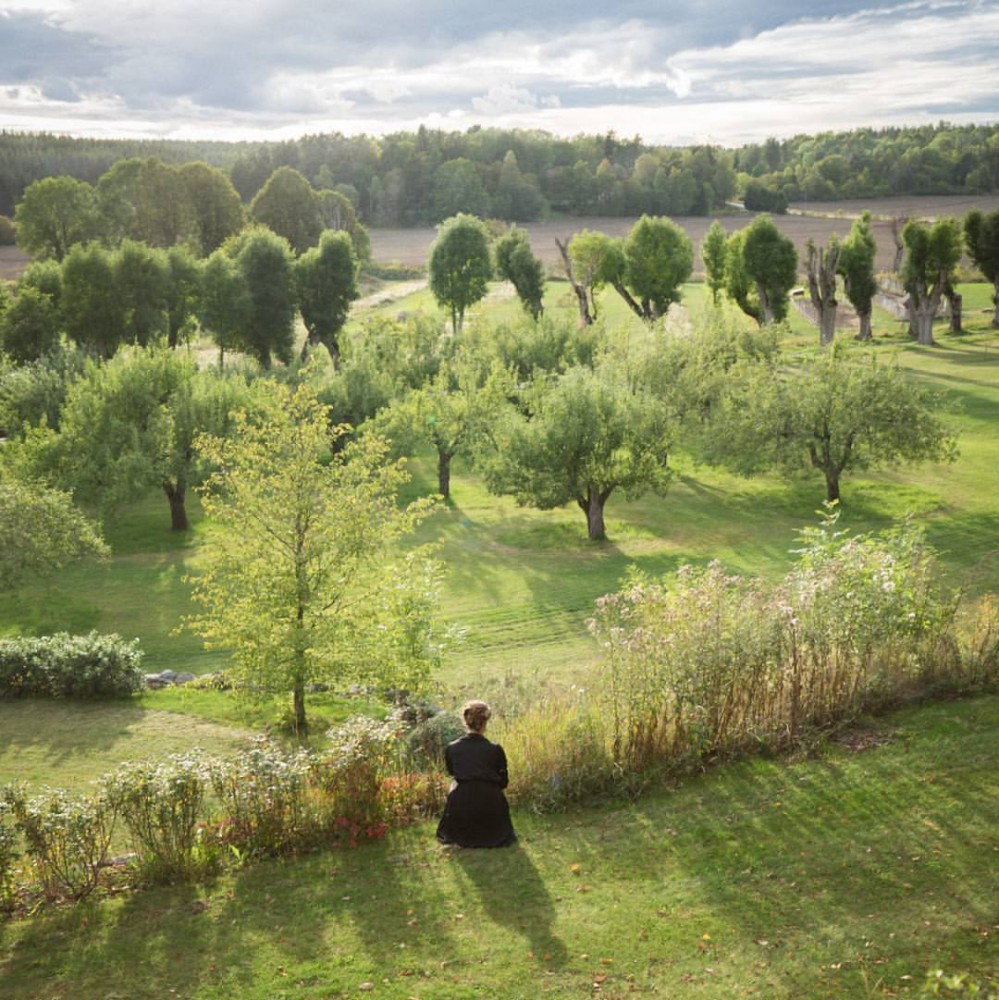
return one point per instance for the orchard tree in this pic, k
(739, 287)
(771, 263)
(288, 206)
(713, 255)
(576, 439)
(981, 235)
(932, 254)
(306, 578)
(449, 412)
(54, 214)
(129, 425)
(30, 325)
(460, 266)
(41, 531)
(832, 414)
(516, 263)
(822, 264)
(856, 265)
(658, 259)
(594, 261)
(326, 285)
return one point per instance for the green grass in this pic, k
(850, 874)
(522, 582)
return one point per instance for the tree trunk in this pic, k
(176, 494)
(765, 306)
(832, 486)
(822, 289)
(865, 326)
(593, 507)
(444, 473)
(897, 225)
(330, 343)
(956, 302)
(995, 300)
(582, 300)
(298, 699)
(634, 306)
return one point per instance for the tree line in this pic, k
(420, 178)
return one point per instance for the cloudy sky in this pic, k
(724, 71)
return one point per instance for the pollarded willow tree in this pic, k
(307, 575)
(981, 234)
(460, 266)
(856, 265)
(516, 263)
(821, 265)
(932, 253)
(326, 285)
(761, 268)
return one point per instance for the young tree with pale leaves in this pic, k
(307, 576)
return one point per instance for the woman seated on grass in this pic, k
(476, 813)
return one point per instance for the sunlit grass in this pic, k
(851, 874)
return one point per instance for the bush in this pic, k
(8, 232)
(707, 662)
(360, 753)
(67, 839)
(426, 741)
(70, 666)
(263, 799)
(162, 805)
(8, 855)
(561, 751)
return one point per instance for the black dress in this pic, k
(476, 813)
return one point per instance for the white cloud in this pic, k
(277, 68)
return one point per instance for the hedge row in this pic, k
(70, 666)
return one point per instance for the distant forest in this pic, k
(419, 178)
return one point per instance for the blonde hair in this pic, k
(475, 715)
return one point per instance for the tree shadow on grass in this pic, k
(514, 895)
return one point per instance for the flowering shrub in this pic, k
(7, 854)
(263, 796)
(707, 662)
(161, 804)
(67, 838)
(412, 796)
(70, 666)
(349, 770)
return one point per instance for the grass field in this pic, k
(849, 874)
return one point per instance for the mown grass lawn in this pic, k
(851, 873)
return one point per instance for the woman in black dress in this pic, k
(476, 813)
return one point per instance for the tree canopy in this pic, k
(832, 413)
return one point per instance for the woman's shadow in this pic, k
(513, 894)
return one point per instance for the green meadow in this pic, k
(852, 870)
